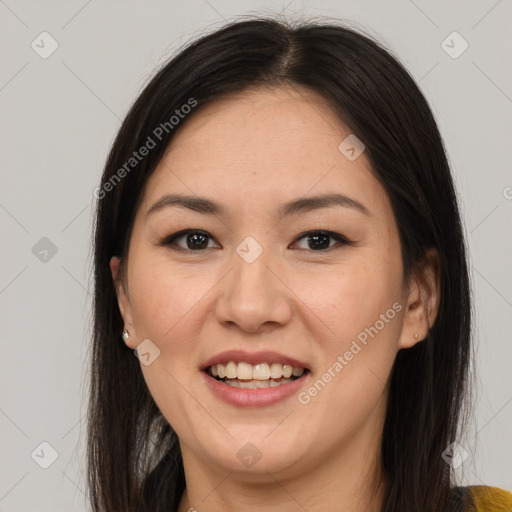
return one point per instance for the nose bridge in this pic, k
(251, 274)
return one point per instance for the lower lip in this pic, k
(258, 397)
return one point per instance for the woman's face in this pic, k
(253, 281)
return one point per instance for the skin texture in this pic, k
(252, 152)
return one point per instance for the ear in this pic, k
(423, 300)
(123, 301)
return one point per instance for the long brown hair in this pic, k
(134, 459)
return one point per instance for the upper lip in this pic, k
(253, 358)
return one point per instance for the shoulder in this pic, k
(490, 499)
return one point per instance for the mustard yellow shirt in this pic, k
(491, 499)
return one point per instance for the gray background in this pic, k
(59, 117)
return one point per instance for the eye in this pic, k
(195, 240)
(319, 241)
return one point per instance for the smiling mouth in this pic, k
(247, 376)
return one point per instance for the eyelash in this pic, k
(171, 239)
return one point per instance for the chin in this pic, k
(253, 451)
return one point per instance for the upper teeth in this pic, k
(261, 371)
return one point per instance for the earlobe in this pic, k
(123, 300)
(423, 300)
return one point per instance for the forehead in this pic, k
(263, 145)
(287, 123)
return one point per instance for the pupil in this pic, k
(194, 237)
(323, 238)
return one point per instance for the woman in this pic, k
(279, 243)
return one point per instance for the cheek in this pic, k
(165, 306)
(352, 297)
(362, 308)
(163, 299)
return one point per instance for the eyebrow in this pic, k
(304, 204)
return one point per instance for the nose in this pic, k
(253, 297)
